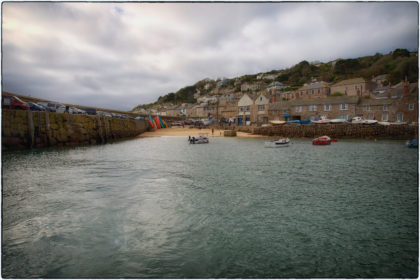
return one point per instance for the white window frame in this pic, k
(367, 108)
(248, 108)
(385, 117)
(385, 108)
(298, 109)
(312, 108)
(371, 116)
(344, 106)
(410, 107)
(327, 107)
(400, 117)
(261, 108)
(324, 116)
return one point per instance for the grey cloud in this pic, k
(123, 54)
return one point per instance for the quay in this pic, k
(23, 129)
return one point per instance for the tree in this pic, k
(400, 52)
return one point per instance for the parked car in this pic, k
(90, 111)
(13, 102)
(35, 107)
(44, 107)
(54, 107)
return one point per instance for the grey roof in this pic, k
(316, 85)
(327, 100)
(279, 105)
(375, 102)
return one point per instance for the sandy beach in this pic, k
(187, 131)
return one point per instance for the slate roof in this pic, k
(316, 85)
(327, 100)
(375, 102)
(350, 82)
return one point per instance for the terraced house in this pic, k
(354, 87)
(313, 90)
(333, 107)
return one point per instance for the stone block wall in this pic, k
(27, 129)
(337, 131)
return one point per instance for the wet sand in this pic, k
(179, 131)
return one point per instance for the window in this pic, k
(385, 117)
(400, 117)
(319, 91)
(247, 108)
(385, 108)
(260, 98)
(327, 107)
(241, 109)
(312, 91)
(261, 108)
(298, 108)
(344, 106)
(367, 108)
(371, 116)
(312, 108)
(411, 107)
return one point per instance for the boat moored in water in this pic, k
(284, 142)
(323, 140)
(414, 143)
(202, 138)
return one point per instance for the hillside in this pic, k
(398, 64)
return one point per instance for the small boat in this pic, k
(384, 123)
(323, 140)
(360, 120)
(305, 122)
(277, 122)
(338, 120)
(201, 139)
(334, 140)
(321, 121)
(398, 123)
(414, 143)
(284, 142)
(293, 122)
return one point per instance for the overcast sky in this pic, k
(119, 55)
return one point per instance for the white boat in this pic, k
(277, 122)
(398, 123)
(203, 138)
(321, 121)
(384, 123)
(360, 120)
(338, 120)
(284, 142)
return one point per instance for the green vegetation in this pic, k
(398, 64)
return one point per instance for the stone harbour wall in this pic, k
(337, 131)
(27, 129)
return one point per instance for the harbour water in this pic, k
(161, 208)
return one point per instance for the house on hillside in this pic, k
(275, 87)
(314, 90)
(379, 80)
(261, 105)
(353, 87)
(245, 105)
(333, 107)
(279, 111)
(253, 87)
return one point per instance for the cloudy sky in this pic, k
(118, 55)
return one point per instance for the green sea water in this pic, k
(161, 208)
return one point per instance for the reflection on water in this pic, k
(161, 208)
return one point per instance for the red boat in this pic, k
(323, 140)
